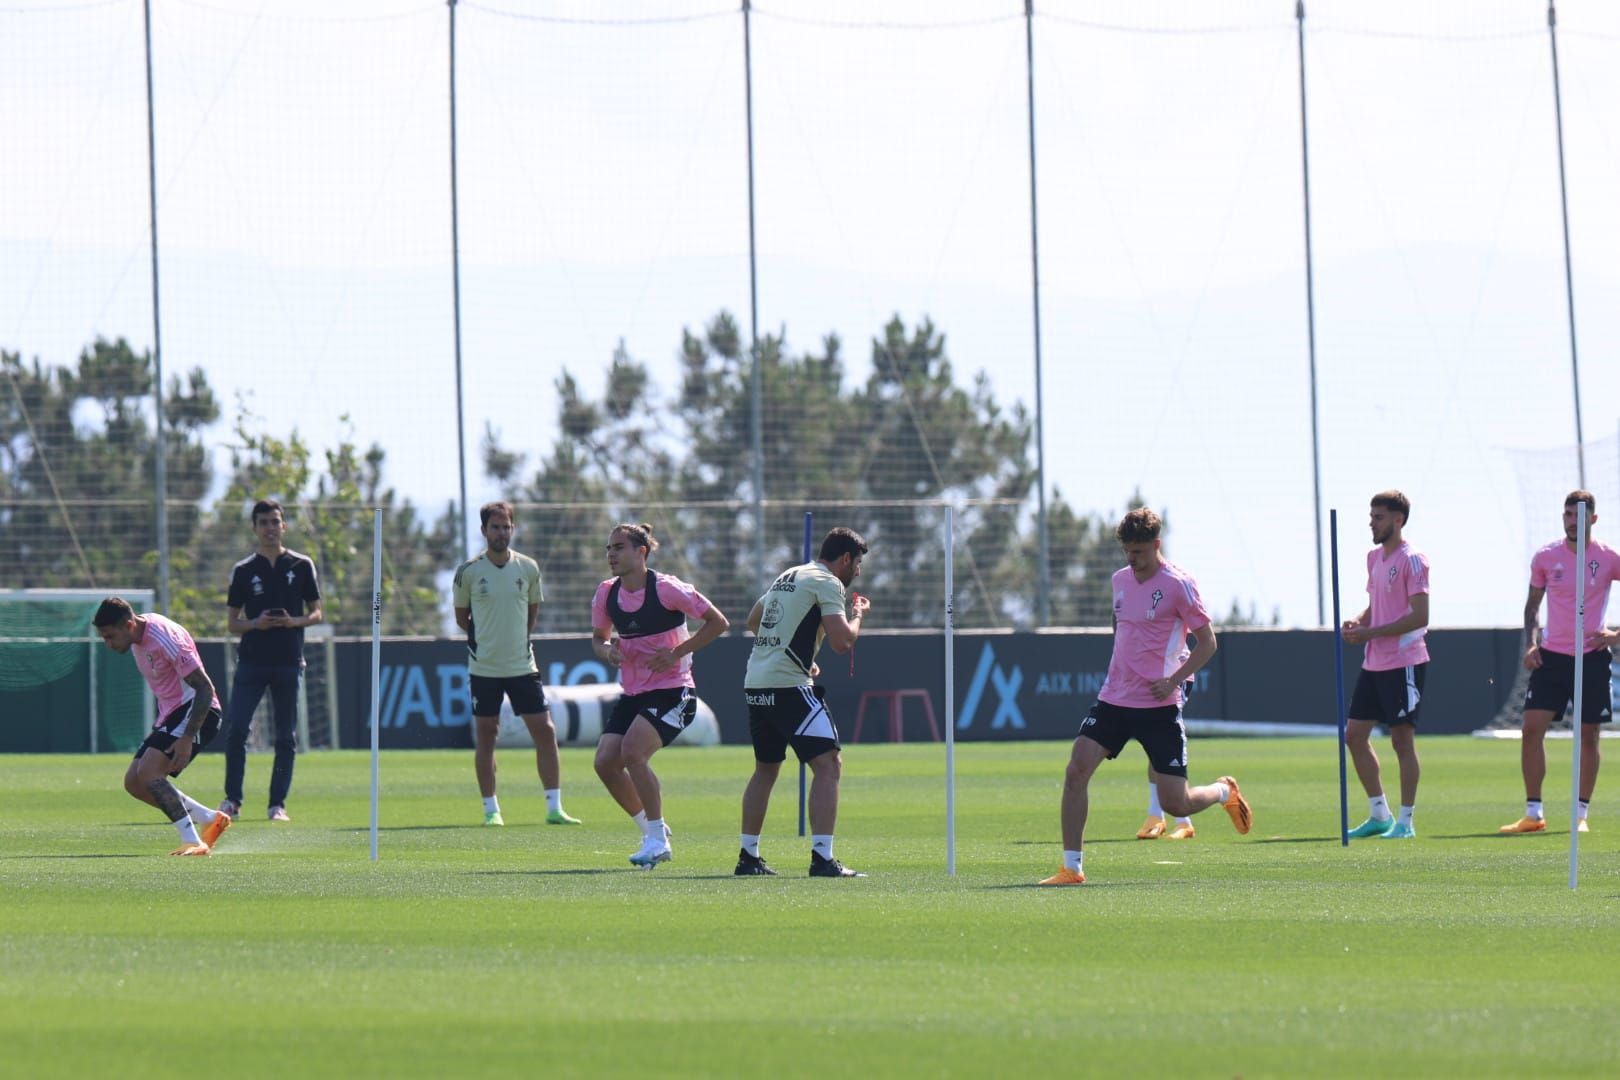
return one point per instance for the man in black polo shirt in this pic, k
(274, 594)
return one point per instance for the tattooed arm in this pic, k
(201, 702)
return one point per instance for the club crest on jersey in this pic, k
(258, 586)
(289, 577)
(1158, 595)
(1592, 569)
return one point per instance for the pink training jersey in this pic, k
(1152, 619)
(1391, 584)
(1553, 569)
(634, 675)
(165, 655)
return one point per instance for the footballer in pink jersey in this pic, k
(1389, 690)
(638, 624)
(188, 717)
(1156, 605)
(1551, 660)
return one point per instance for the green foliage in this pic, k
(77, 467)
(878, 457)
(77, 493)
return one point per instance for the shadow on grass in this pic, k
(435, 828)
(1509, 837)
(88, 855)
(598, 870)
(1033, 886)
(576, 872)
(1297, 840)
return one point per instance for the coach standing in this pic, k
(274, 594)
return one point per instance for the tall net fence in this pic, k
(615, 170)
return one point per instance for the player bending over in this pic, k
(188, 717)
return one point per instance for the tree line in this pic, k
(879, 455)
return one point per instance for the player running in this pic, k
(1156, 605)
(638, 624)
(1551, 662)
(1389, 690)
(803, 607)
(188, 717)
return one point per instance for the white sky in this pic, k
(304, 193)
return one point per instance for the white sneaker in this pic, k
(652, 853)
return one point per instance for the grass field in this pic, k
(537, 950)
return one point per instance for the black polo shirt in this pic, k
(257, 585)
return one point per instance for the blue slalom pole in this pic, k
(809, 526)
(1338, 678)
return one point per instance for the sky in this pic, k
(305, 244)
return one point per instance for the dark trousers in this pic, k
(252, 680)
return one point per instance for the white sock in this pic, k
(1154, 809)
(199, 813)
(1379, 807)
(553, 799)
(1583, 806)
(1222, 792)
(1532, 809)
(492, 805)
(640, 818)
(1071, 860)
(1183, 821)
(750, 843)
(655, 829)
(822, 845)
(187, 830)
(1406, 815)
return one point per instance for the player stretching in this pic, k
(188, 717)
(1389, 690)
(638, 624)
(497, 595)
(804, 605)
(1156, 605)
(1552, 662)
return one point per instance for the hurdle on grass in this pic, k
(1580, 649)
(376, 664)
(809, 526)
(1338, 677)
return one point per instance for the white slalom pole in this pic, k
(1580, 652)
(376, 665)
(950, 693)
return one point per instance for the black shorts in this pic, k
(1389, 697)
(1159, 730)
(669, 711)
(1552, 685)
(793, 716)
(163, 736)
(527, 692)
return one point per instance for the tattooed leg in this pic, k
(165, 797)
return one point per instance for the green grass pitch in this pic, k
(536, 950)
